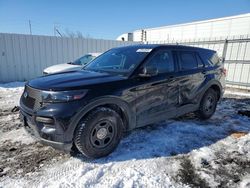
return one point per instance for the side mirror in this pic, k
(148, 71)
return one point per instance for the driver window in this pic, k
(163, 61)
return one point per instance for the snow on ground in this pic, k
(185, 152)
(10, 94)
(243, 94)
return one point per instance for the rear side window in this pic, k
(188, 60)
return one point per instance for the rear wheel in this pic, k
(208, 104)
(99, 133)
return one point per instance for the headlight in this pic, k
(62, 96)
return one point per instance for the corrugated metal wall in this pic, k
(23, 57)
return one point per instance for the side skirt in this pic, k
(161, 116)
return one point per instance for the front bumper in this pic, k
(46, 134)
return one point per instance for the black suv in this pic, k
(124, 88)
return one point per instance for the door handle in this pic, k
(171, 78)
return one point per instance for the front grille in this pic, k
(31, 98)
(29, 102)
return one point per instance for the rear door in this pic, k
(191, 76)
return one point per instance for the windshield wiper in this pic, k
(94, 70)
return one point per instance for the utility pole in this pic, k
(30, 27)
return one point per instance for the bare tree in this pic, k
(70, 34)
(79, 34)
(73, 34)
(88, 36)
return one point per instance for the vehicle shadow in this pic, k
(181, 135)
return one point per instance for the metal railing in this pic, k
(235, 51)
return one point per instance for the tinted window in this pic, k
(210, 58)
(119, 60)
(163, 60)
(188, 61)
(200, 62)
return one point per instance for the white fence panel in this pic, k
(235, 50)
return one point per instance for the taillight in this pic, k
(224, 71)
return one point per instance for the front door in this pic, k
(157, 96)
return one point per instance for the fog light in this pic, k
(47, 120)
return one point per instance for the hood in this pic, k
(61, 68)
(81, 79)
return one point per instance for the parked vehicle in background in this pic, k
(71, 66)
(122, 89)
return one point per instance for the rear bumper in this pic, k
(44, 134)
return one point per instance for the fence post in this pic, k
(224, 53)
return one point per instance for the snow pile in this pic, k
(11, 85)
(225, 163)
(10, 94)
(237, 93)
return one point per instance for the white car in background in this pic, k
(75, 65)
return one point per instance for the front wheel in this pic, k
(208, 104)
(99, 133)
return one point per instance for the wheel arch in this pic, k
(218, 91)
(114, 103)
(215, 85)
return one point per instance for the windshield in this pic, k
(83, 60)
(120, 60)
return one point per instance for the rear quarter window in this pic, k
(211, 58)
(215, 59)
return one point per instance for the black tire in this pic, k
(208, 104)
(99, 133)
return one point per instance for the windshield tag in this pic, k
(144, 50)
